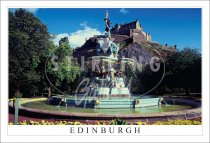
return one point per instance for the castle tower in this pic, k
(138, 25)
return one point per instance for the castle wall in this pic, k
(134, 30)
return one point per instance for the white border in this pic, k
(160, 133)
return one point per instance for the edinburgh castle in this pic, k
(131, 39)
(132, 29)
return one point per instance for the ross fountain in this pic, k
(108, 88)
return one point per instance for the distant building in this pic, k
(132, 29)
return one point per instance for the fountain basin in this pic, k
(105, 103)
(183, 109)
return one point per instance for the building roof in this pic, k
(131, 23)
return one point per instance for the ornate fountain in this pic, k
(108, 88)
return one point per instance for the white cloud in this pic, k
(32, 10)
(78, 38)
(124, 11)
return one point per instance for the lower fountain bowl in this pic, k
(105, 103)
(176, 108)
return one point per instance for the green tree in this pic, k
(62, 69)
(149, 80)
(28, 43)
(184, 70)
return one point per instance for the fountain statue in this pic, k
(108, 23)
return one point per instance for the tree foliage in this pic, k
(28, 41)
(182, 73)
(62, 69)
(30, 45)
(184, 70)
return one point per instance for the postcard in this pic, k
(77, 71)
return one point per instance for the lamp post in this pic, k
(16, 111)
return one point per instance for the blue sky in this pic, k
(180, 26)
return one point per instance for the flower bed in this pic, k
(113, 122)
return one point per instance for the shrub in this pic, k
(118, 122)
